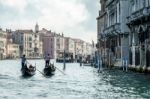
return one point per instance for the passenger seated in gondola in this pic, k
(47, 60)
(23, 62)
(53, 67)
(31, 68)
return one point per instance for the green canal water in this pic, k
(78, 83)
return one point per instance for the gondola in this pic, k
(28, 71)
(49, 70)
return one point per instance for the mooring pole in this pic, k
(126, 65)
(123, 63)
(80, 60)
(64, 60)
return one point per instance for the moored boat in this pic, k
(49, 70)
(28, 71)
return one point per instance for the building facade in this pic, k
(114, 30)
(70, 48)
(53, 44)
(101, 25)
(78, 49)
(49, 44)
(12, 48)
(29, 43)
(138, 21)
(3, 45)
(12, 51)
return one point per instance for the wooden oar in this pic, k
(60, 71)
(41, 72)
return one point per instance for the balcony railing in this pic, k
(139, 14)
(108, 2)
(112, 30)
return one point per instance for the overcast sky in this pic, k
(75, 18)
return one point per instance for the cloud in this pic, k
(73, 17)
(19, 4)
(62, 14)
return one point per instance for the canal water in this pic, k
(78, 83)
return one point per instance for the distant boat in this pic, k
(67, 60)
(49, 70)
(87, 64)
(28, 71)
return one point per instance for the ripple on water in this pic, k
(4, 76)
(78, 83)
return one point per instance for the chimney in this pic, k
(62, 34)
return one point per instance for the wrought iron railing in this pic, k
(108, 2)
(138, 14)
(113, 29)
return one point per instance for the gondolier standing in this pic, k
(23, 61)
(47, 60)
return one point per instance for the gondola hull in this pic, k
(48, 71)
(27, 73)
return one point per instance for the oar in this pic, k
(40, 71)
(60, 71)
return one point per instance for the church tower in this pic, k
(36, 28)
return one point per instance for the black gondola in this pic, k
(27, 72)
(49, 70)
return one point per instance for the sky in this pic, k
(74, 18)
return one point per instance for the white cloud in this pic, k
(59, 15)
(19, 4)
(68, 16)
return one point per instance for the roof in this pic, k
(24, 31)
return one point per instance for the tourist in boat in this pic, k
(23, 61)
(31, 68)
(47, 60)
(53, 67)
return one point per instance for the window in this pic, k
(57, 40)
(30, 45)
(35, 36)
(112, 19)
(118, 12)
(144, 3)
(133, 5)
(1, 44)
(30, 38)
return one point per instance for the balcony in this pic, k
(138, 15)
(101, 14)
(108, 2)
(112, 30)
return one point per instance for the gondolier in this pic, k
(23, 61)
(47, 60)
(49, 70)
(27, 71)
